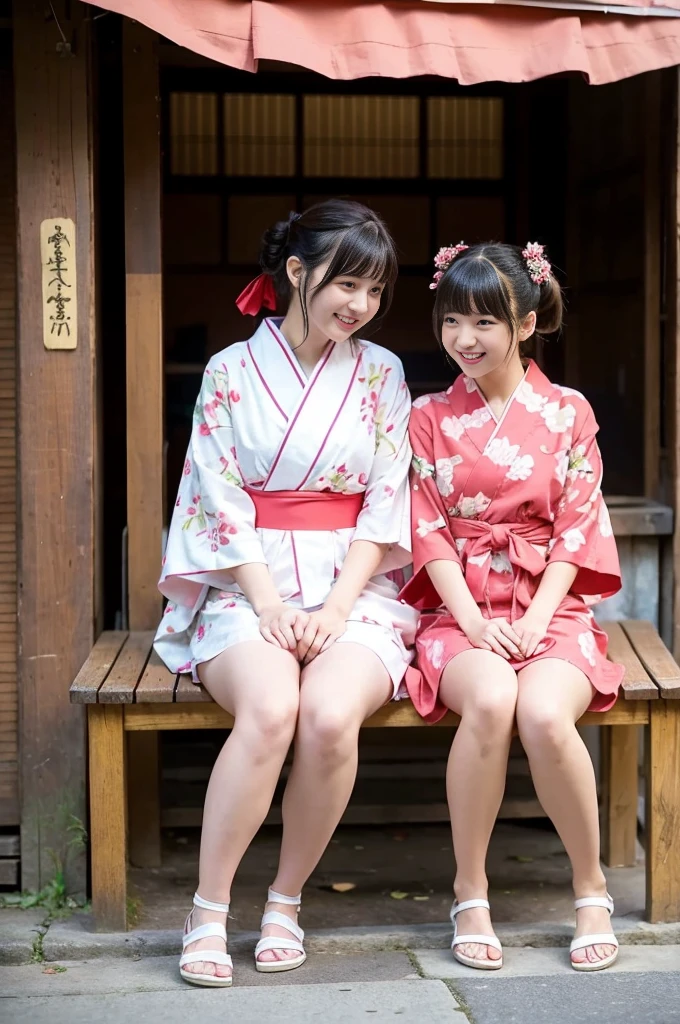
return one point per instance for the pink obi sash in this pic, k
(517, 538)
(305, 510)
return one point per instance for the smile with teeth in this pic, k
(346, 319)
(471, 357)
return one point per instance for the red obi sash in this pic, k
(305, 510)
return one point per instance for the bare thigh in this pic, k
(348, 680)
(477, 680)
(250, 675)
(551, 690)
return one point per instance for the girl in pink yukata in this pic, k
(510, 531)
(292, 517)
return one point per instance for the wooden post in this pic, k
(662, 812)
(619, 785)
(58, 600)
(673, 368)
(107, 816)
(144, 355)
(652, 278)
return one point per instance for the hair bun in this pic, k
(273, 250)
(550, 307)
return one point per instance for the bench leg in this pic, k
(108, 847)
(144, 820)
(619, 787)
(662, 812)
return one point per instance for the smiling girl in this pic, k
(293, 507)
(510, 530)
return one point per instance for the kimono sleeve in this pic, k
(385, 516)
(582, 531)
(213, 523)
(431, 537)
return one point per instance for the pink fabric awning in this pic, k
(468, 42)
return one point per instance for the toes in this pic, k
(223, 971)
(579, 956)
(492, 953)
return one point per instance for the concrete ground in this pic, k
(421, 987)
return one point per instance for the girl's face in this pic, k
(343, 307)
(480, 343)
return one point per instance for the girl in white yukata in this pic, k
(292, 512)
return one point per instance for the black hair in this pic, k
(493, 278)
(352, 237)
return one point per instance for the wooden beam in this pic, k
(673, 369)
(107, 817)
(662, 813)
(144, 346)
(144, 362)
(619, 794)
(58, 601)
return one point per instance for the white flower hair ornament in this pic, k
(444, 259)
(537, 265)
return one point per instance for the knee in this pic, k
(269, 729)
(330, 733)
(542, 725)
(491, 708)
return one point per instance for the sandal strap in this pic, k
(274, 917)
(277, 943)
(222, 908)
(603, 939)
(208, 956)
(205, 931)
(279, 897)
(606, 902)
(457, 908)
(483, 940)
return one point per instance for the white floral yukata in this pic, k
(260, 424)
(502, 499)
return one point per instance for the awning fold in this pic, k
(469, 42)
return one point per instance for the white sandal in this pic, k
(484, 940)
(211, 956)
(603, 939)
(275, 942)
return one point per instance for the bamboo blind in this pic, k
(465, 137)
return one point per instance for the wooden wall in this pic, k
(9, 787)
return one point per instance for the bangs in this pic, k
(471, 286)
(364, 250)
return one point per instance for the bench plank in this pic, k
(208, 715)
(97, 667)
(188, 693)
(655, 656)
(636, 684)
(157, 685)
(119, 687)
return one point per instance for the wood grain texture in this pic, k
(107, 816)
(85, 686)
(619, 746)
(144, 338)
(636, 684)
(652, 282)
(8, 435)
(662, 849)
(157, 684)
(655, 656)
(119, 686)
(59, 602)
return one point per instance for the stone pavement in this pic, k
(414, 987)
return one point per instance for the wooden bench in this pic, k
(129, 691)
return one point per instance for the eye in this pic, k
(378, 290)
(347, 284)
(449, 320)
(486, 323)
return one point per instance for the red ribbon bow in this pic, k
(257, 294)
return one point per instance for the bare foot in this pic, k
(198, 917)
(592, 921)
(276, 931)
(476, 921)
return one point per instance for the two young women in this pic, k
(292, 515)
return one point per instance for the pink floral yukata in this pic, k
(502, 499)
(261, 425)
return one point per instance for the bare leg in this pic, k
(258, 684)
(553, 695)
(340, 689)
(482, 688)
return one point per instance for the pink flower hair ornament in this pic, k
(537, 265)
(444, 259)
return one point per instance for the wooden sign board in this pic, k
(60, 303)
